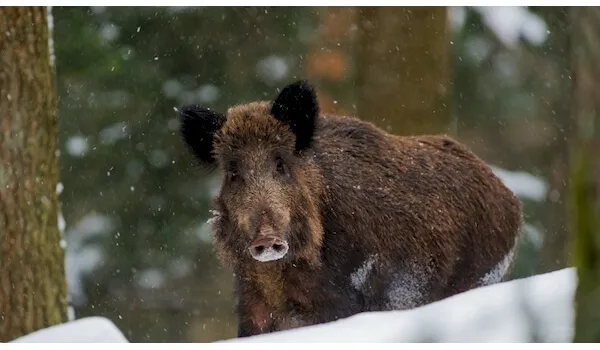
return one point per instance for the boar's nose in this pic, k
(268, 248)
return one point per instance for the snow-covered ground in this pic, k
(85, 330)
(504, 312)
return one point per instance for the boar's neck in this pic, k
(283, 282)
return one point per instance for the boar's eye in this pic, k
(232, 172)
(232, 176)
(280, 166)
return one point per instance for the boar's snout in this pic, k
(268, 248)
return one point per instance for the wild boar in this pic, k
(321, 216)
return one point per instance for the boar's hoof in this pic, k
(268, 249)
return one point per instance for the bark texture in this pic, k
(585, 176)
(403, 68)
(32, 278)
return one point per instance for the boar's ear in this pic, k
(298, 107)
(198, 127)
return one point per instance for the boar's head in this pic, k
(269, 198)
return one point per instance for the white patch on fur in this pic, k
(214, 218)
(359, 277)
(407, 288)
(271, 254)
(496, 274)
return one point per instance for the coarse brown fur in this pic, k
(374, 221)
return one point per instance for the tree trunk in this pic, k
(556, 101)
(329, 60)
(32, 278)
(403, 68)
(585, 176)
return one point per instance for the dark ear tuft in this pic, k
(198, 127)
(297, 106)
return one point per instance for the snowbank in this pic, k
(84, 330)
(505, 312)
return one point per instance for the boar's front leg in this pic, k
(254, 316)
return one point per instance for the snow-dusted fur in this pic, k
(508, 312)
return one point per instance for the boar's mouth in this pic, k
(268, 248)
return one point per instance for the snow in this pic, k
(171, 88)
(77, 146)
(359, 277)
(214, 217)
(114, 132)
(272, 69)
(407, 288)
(62, 224)
(498, 272)
(502, 312)
(180, 267)
(151, 278)
(457, 16)
(510, 23)
(109, 32)
(204, 233)
(79, 263)
(51, 37)
(533, 234)
(523, 184)
(81, 257)
(173, 124)
(158, 158)
(84, 330)
(208, 93)
(98, 9)
(59, 188)
(70, 313)
(479, 48)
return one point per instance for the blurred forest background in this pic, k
(135, 205)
